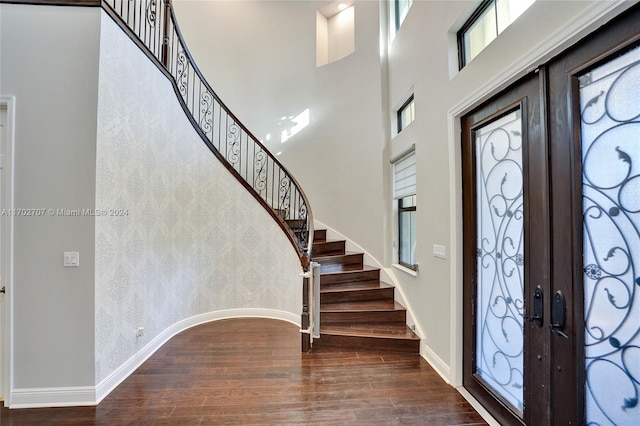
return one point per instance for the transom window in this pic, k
(401, 8)
(486, 23)
(406, 114)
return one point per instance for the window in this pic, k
(489, 20)
(404, 189)
(406, 114)
(407, 232)
(401, 8)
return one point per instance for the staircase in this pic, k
(357, 310)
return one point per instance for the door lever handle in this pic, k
(558, 315)
(558, 331)
(538, 308)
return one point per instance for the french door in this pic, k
(551, 187)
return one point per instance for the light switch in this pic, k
(439, 251)
(71, 258)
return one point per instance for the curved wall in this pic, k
(260, 57)
(190, 239)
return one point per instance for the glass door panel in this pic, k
(610, 148)
(500, 252)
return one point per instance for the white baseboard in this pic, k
(53, 397)
(478, 407)
(92, 395)
(441, 367)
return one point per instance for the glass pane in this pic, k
(406, 115)
(407, 237)
(500, 251)
(509, 10)
(610, 126)
(480, 34)
(402, 8)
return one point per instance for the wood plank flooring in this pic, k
(251, 371)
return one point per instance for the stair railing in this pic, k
(154, 24)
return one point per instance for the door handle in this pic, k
(558, 315)
(538, 307)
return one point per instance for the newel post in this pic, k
(304, 318)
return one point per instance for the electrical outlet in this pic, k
(139, 331)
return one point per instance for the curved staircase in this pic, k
(357, 310)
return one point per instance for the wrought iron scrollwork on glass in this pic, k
(500, 253)
(610, 116)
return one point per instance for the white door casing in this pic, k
(7, 142)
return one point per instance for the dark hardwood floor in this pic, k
(251, 371)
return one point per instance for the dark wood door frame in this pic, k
(526, 96)
(617, 37)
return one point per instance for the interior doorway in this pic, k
(7, 140)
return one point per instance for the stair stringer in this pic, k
(386, 275)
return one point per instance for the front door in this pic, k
(551, 186)
(506, 248)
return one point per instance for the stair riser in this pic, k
(349, 277)
(320, 235)
(295, 223)
(344, 260)
(357, 295)
(387, 317)
(328, 248)
(364, 343)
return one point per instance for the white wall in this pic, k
(341, 34)
(193, 240)
(98, 126)
(260, 57)
(50, 63)
(430, 69)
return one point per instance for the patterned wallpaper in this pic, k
(181, 237)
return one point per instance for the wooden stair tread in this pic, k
(326, 257)
(348, 268)
(401, 332)
(364, 286)
(362, 306)
(328, 242)
(357, 310)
